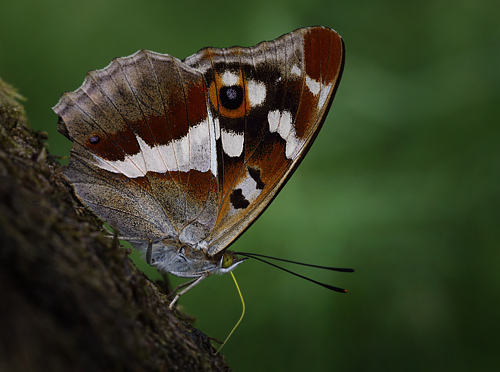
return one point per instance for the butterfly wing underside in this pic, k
(288, 85)
(196, 150)
(144, 147)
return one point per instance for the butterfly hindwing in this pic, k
(144, 146)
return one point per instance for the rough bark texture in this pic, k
(71, 299)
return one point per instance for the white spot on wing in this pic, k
(230, 78)
(295, 70)
(324, 95)
(151, 156)
(248, 188)
(196, 151)
(217, 128)
(282, 122)
(128, 166)
(273, 117)
(181, 149)
(168, 156)
(202, 146)
(285, 126)
(214, 132)
(256, 92)
(232, 143)
(292, 146)
(313, 85)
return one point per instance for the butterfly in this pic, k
(181, 157)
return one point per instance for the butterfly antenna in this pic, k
(241, 317)
(327, 286)
(253, 255)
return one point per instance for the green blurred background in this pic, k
(401, 184)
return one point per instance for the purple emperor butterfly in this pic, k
(182, 156)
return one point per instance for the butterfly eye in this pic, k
(227, 260)
(231, 96)
(95, 139)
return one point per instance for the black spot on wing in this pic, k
(238, 200)
(255, 174)
(95, 139)
(231, 97)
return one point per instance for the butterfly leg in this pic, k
(188, 285)
(149, 251)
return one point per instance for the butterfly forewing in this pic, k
(288, 85)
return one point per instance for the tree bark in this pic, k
(71, 299)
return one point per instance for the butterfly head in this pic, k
(190, 262)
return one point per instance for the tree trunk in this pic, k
(71, 299)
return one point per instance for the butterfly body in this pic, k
(182, 156)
